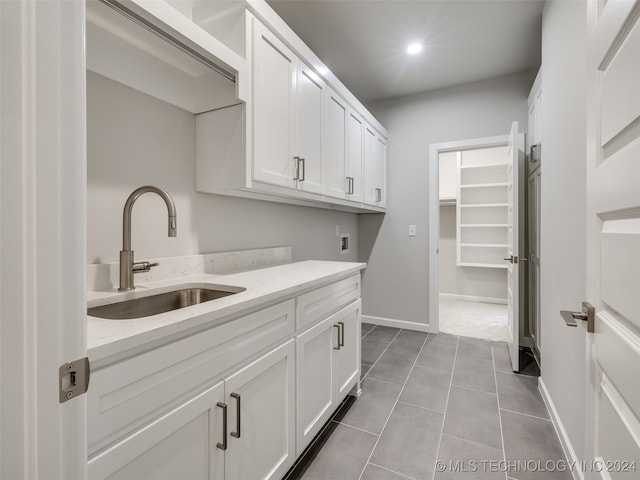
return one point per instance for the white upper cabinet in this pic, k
(274, 69)
(308, 130)
(375, 168)
(300, 136)
(355, 156)
(335, 144)
(448, 176)
(287, 116)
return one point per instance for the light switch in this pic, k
(412, 230)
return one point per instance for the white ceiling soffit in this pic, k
(364, 41)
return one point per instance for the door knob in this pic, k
(512, 259)
(588, 314)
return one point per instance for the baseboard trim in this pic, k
(390, 322)
(471, 298)
(565, 442)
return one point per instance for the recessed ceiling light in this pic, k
(414, 48)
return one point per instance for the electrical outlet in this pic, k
(412, 230)
(344, 243)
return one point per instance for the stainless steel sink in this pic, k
(161, 303)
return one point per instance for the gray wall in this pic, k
(133, 140)
(471, 281)
(563, 216)
(395, 284)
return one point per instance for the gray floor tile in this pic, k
(408, 341)
(371, 350)
(392, 367)
(443, 339)
(519, 393)
(372, 408)
(365, 328)
(474, 373)
(382, 334)
(501, 359)
(437, 355)
(473, 415)
(409, 442)
(531, 439)
(427, 387)
(364, 369)
(374, 472)
(474, 348)
(343, 456)
(461, 459)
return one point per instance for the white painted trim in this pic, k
(434, 213)
(391, 322)
(471, 298)
(565, 441)
(42, 237)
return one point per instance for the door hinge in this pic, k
(74, 379)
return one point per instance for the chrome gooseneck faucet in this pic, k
(127, 266)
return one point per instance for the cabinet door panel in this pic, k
(180, 444)
(346, 360)
(370, 176)
(335, 146)
(308, 129)
(273, 74)
(381, 172)
(265, 448)
(355, 155)
(314, 381)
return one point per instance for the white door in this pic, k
(346, 358)
(42, 231)
(336, 146)
(307, 128)
(613, 238)
(515, 151)
(369, 166)
(314, 380)
(187, 442)
(273, 90)
(380, 190)
(261, 445)
(354, 156)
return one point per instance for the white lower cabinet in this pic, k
(213, 406)
(184, 443)
(194, 442)
(260, 399)
(328, 367)
(346, 359)
(314, 382)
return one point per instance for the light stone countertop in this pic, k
(114, 338)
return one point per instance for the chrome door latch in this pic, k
(588, 314)
(74, 379)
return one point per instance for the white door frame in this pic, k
(434, 213)
(42, 237)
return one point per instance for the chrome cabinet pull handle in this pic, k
(341, 337)
(237, 433)
(301, 163)
(297, 161)
(223, 445)
(378, 194)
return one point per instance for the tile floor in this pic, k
(474, 319)
(428, 398)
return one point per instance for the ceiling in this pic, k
(364, 41)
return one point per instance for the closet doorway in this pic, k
(475, 240)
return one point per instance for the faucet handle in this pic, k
(143, 267)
